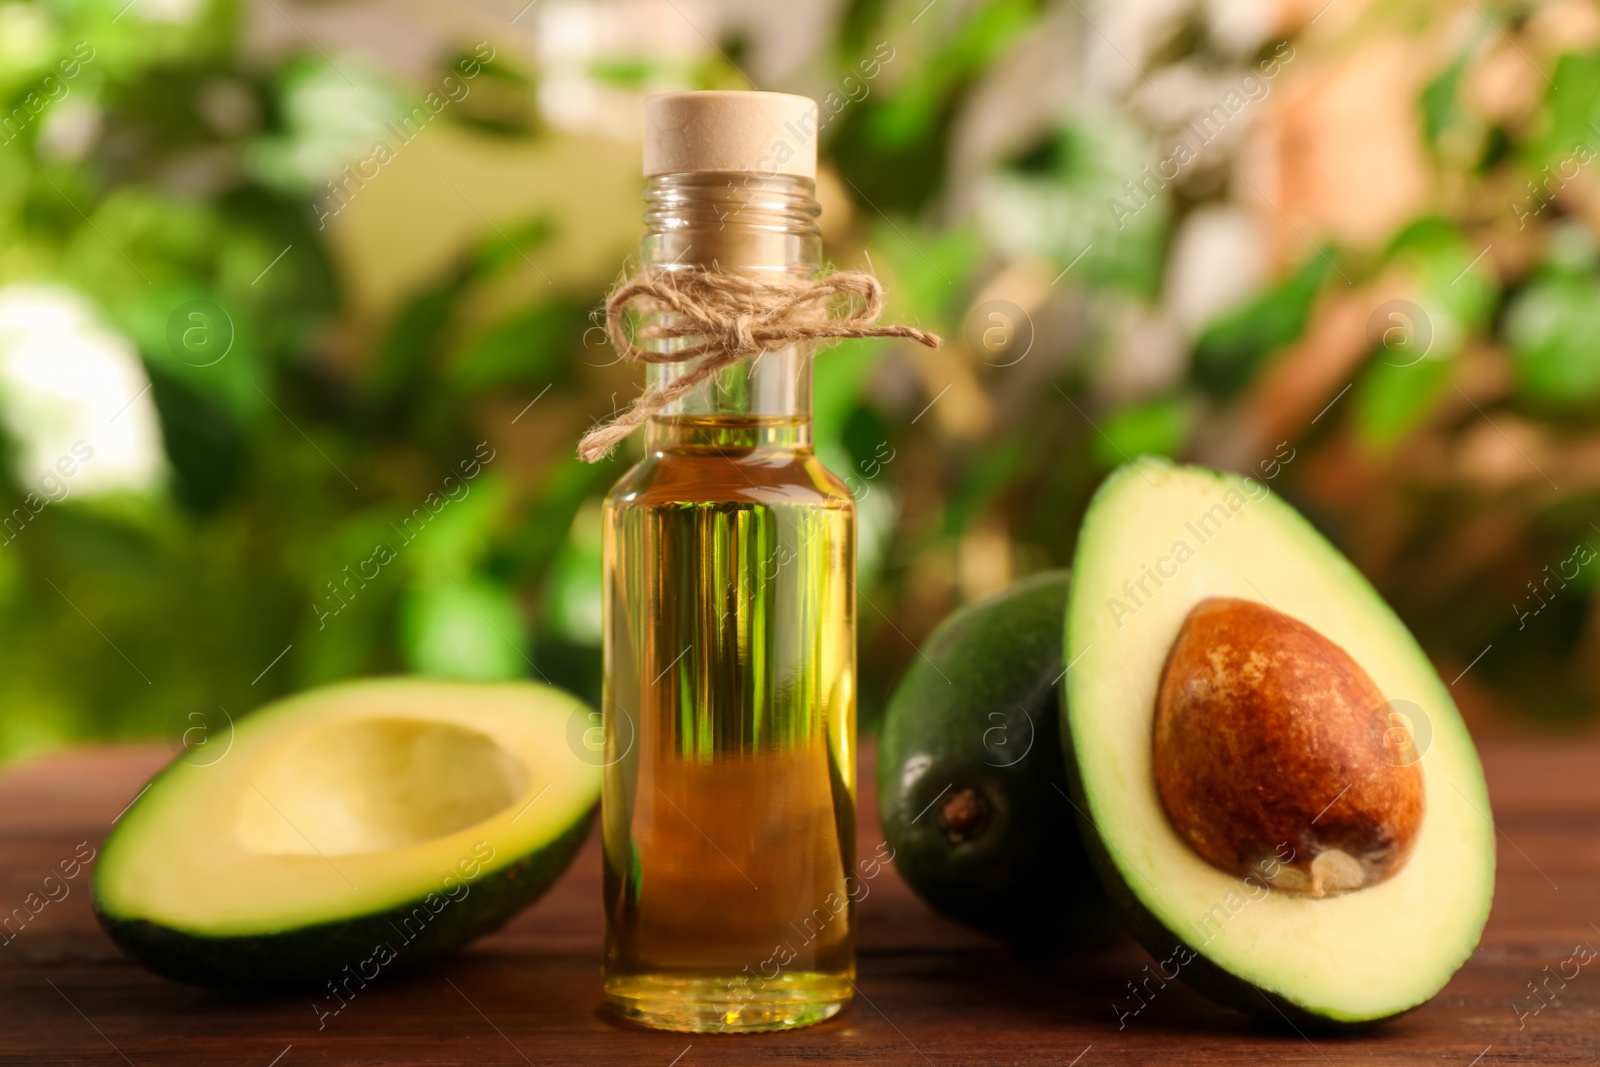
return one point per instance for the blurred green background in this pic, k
(282, 282)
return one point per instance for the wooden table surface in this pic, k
(930, 992)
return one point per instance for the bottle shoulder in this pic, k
(757, 476)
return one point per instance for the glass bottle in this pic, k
(729, 798)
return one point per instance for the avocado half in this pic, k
(971, 780)
(357, 829)
(1157, 541)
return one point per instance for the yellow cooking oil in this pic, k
(731, 647)
(728, 806)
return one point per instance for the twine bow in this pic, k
(728, 317)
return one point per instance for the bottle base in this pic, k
(728, 1005)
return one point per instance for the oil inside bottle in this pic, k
(729, 799)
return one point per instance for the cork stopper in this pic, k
(763, 133)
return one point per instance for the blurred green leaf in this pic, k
(204, 442)
(1574, 112)
(836, 389)
(1439, 99)
(1554, 327)
(907, 117)
(572, 594)
(1233, 348)
(889, 146)
(1456, 279)
(633, 73)
(1156, 428)
(405, 366)
(986, 474)
(507, 248)
(330, 117)
(923, 266)
(1084, 200)
(532, 348)
(535, 542)
(463, 628)
(1392, 399)
(449, 531)
(501, 96)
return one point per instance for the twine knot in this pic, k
(727, 317)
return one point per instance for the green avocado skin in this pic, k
(979, 709)
(327, 955)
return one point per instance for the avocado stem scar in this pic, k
(963, 815)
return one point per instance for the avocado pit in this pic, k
(1263, 756)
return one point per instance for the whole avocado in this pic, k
(971, 780)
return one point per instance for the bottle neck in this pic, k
(746, 224)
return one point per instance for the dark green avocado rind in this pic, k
(1151, 933)
(983, 692)
(313, 956)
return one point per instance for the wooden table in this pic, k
(931, 993)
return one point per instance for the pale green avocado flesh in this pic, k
(372, 825)
(1158, 539)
